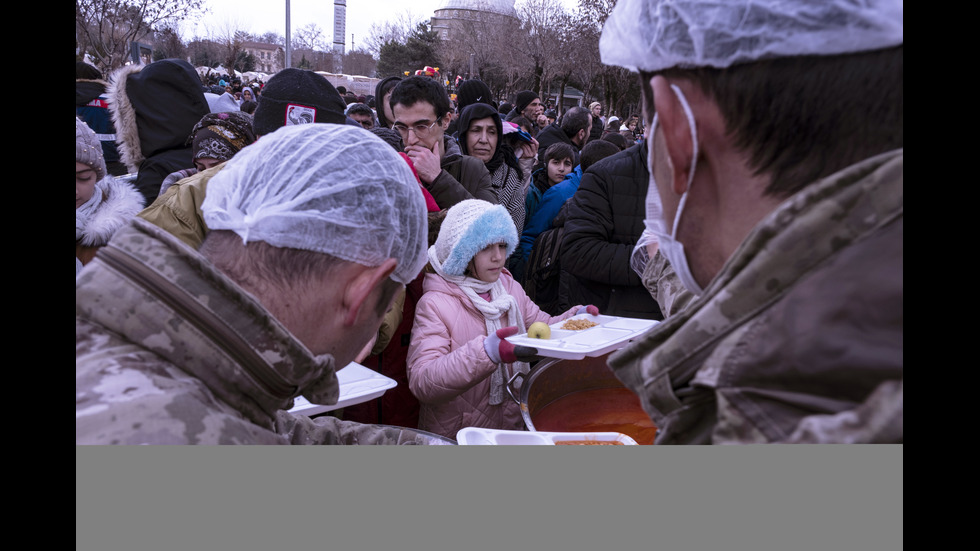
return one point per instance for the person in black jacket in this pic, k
(574, 129)
(604, 223)
(154, 107)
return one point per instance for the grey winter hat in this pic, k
(88, 148)
(295, 96)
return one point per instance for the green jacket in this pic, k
(800, 337)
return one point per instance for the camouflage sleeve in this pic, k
(878, 420)
(328, 430)
(665, 287)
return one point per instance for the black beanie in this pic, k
(472, 91)
(524, 98)
(294, 96)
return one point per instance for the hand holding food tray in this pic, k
(574, 339)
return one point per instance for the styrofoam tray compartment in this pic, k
(476, 436)
(357, 384)
(611, 333)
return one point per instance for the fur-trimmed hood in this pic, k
(121, 202)
(154, 107)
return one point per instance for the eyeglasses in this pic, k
(421, 129)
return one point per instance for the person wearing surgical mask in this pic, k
(774, 215)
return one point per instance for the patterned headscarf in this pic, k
(221, 135)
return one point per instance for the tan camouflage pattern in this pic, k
(799, 338)
(145, 375)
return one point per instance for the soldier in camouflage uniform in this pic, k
(178, 346)
(776, 158)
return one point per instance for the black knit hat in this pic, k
(473, 91)
(524, 98)
(294, 96)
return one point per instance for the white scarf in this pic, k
(83, 212)
(501, 302)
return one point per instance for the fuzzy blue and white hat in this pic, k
(469, 227)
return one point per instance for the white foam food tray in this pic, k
(476, 436)
(357, 384)
(611, 333)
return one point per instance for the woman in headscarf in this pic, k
(215, 139)
(481, 135)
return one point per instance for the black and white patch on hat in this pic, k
(299, 114)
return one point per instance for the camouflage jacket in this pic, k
(799, 338)
(170, 351)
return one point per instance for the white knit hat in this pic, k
(88, 148)
(469, 227)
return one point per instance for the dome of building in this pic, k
(503, 7)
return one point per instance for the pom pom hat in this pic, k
(470, 226)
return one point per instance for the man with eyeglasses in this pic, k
(421, 109)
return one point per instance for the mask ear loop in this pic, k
(694, 155)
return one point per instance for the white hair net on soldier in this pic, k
(328, 188)
(652, 35)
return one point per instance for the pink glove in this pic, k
(502, 351)
(590, 309)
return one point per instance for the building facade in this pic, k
(269, 58)
(451, 14)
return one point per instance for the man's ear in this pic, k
(677, 131)
(359, 287)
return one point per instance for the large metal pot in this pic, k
(553, 379)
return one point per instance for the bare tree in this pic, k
(398, 29)
(538, 41)
(105, 29)
(360, 62)
(309, 37)
(167, 44)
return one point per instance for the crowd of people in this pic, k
(238, 243)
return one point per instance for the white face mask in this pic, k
(671, 248)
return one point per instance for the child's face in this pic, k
(487, 264)
(85, 178)
(558, 168)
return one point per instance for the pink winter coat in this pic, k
(448, 369)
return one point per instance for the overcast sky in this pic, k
(261, 16)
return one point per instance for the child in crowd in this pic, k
(559, 160)
(459, 359)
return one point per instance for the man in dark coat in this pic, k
(574, 129)
(605, 220)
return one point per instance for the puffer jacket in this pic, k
(800, 337)
(448, 368)
(154, 108)
(168, 350)
(462, 177)
(605, 220)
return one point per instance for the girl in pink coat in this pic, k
(458, 359)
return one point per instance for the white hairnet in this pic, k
(652, 35)
(329, 188)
